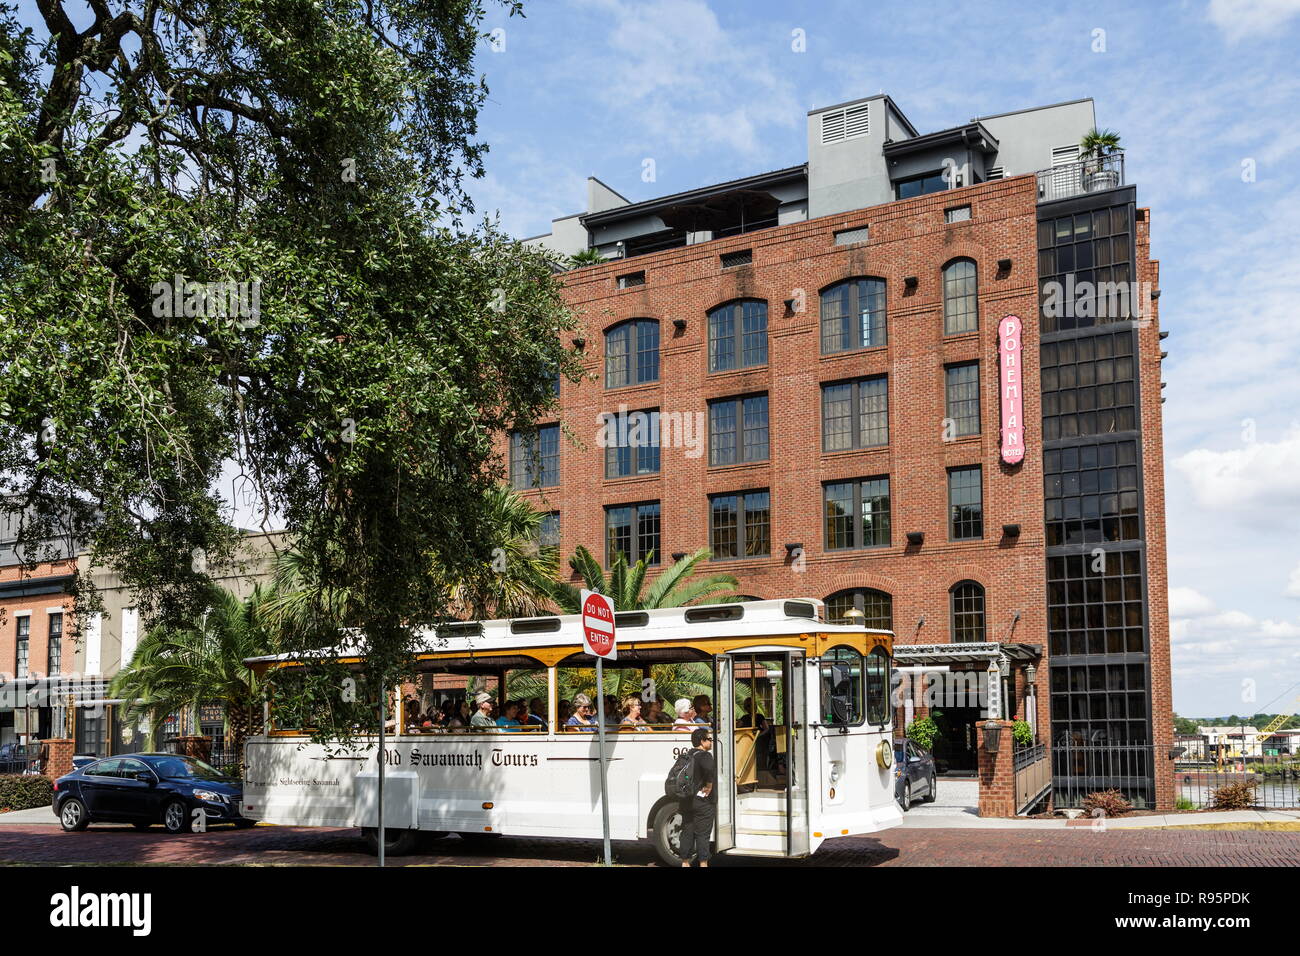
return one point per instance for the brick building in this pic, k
(819, 360)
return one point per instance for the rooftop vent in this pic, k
(631, 279)
(845, 123)
(742, 257)
(846, 237)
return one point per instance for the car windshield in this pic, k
(185, 768)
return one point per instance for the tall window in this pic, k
(965, 503)
(738, 430)
(853, 315)
(855, 414)
(877, 608)
(535, 458)
(857, 514)
(740, 525)
(962, 397)
(548, 532)
(633, 530)
(738, 335)
(960, 298)
(56, 644)
(632, 353)
(24, 651)
(967, 612)
(632, 444)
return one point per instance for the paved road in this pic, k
(300, 846)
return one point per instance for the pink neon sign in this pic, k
(1010, 388)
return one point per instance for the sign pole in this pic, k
(604, 766)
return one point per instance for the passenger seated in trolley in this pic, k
(685, 715)
(582, 717)
(632, 715)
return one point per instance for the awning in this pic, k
(913, 655)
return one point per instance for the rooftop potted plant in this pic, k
(1094, 148)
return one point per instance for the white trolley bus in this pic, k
(802, 726)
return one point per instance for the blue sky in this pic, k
(713, 90)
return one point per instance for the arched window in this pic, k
(960, 297)
(967, 612)
(853, 315)
(877, 608)
(632, 353)
(738, 335)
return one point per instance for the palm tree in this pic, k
(587, 257)
(1097, 143)
(175, 669)
(624, 586)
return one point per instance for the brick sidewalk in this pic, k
(302, 846)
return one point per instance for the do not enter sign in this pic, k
(598, 626)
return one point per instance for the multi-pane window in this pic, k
(631, 443)
(1095, 248)
(535, 458)
(1094, 604)
(967, 612)
(1091, 493)
(740, 525)
(738, 430)
(920, 185)
(960, 297)
(738, 335)
(857, 514)
(56, 644)
(23, 657)
(962, 398)
(633, 530)
(877, 608)
(965, 503)
(853, 315)
(548, 531)
(632, 353)
(1089, 386)
(855, 414)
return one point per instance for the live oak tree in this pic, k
(235, 231)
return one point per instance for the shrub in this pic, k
(922, 732)
(1183, 803)
(1234, 796)
(25, 792)
(1022, 733)
(1111, 803)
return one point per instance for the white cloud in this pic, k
(1189, 602)
(1242, 18)
(1293, 583)
(1259, 477)
(1232, 644)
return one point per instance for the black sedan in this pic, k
(914, 774)
(144, 789)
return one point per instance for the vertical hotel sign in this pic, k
(1011, 388)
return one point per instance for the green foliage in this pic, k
(1111, 803)
(1097, 143)
(317, 151)
(1183, 803)
(1022, 733)
(1185, 725)
(1233, 796)
(587, 257)
(25, 791)
(625, 585)
(923, 731)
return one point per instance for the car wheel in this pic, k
(73, 815)
(176, 817)
(396, 842)
(933, 791)
(907, 795)
(668, 834)
(142, 825)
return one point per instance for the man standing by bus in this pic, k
(697, 809)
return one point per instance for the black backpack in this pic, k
(681, 779)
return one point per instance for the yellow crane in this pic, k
(1259, 736)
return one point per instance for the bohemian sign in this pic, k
(1010, 388)
(598, 626)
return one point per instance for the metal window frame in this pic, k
(855, 412)
(851, 289)
(742, 512)
(952, 523)
(737, 335)
(948, 399)
(635, 450)
(634, 534)
(954, 631)
(738, 403)
(631, 328)
(858, 527)
(973, 295)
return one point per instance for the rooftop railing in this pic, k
(1079, 178)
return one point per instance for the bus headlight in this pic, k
(884, 754)
(835, 770)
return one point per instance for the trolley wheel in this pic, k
(933, 792)
(668, 833)
(396, 842)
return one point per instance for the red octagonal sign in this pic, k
(598, 626)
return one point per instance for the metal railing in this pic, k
(1081, 177)
(1033, 775)
(1080, 768)
(27, 759)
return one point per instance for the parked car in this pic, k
(16, 758)
(145, 789)
(914, 774)
(80, 760)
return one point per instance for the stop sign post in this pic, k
(599, 640)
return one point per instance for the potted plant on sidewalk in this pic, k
(1094, 148)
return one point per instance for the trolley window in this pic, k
(878, 686)
(841, 673)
